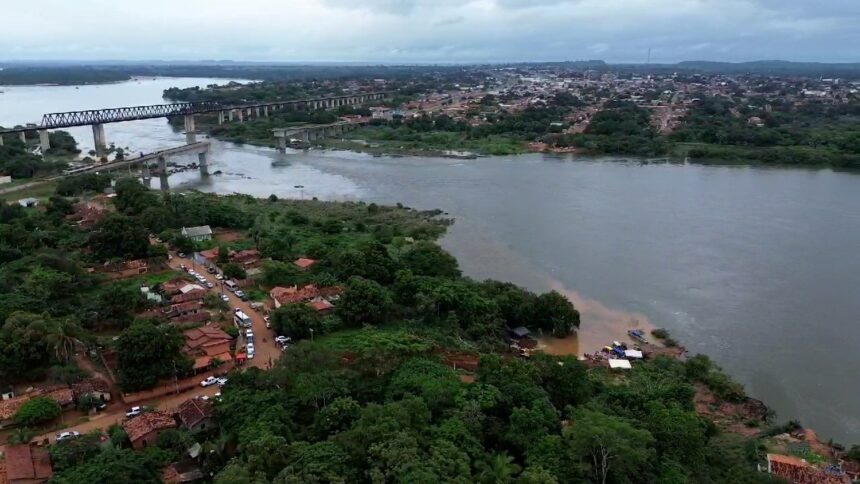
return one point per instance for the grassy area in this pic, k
(386, 140)
(40, 190)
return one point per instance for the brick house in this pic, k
(144, 429)
(25, 464)
(195, 414)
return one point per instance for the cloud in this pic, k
(432, 30)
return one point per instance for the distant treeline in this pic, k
(105, 72)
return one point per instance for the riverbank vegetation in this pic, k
(817, 134)
(18, 160)
(408, 379)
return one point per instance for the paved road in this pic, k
(267, 351)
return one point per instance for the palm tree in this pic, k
(64, 336)
(498, 469)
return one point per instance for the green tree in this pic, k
(555, 313)
(610, 447)
(364, 302)
(37, 411)
(428, 259)
(147, 353)
(63, 336)
(296, 320)
(119, 236)
(497, 469)
(234, 271)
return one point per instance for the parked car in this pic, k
(225, 298)
(249, 335)
(133, 412)
(268, 322)
(249, 350)
(219, 277)
(181, 254)
(67, 435)
(208, 381)
(209, 285)
(241, 295)
(282, 340)
(222, 382)
(256, 305)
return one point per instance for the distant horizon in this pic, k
(371, 63)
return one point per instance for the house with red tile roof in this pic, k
(144, 429)
(195, 414)
(192, 295)
(62, 395)
(94, 387)
(293, 294)
(185, 308)
(205, 344)
(304, 263)
(26, 464)
(246, 258)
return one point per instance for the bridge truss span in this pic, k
(115, 115)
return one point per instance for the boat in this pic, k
(637, 334)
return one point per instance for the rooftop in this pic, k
(193, 411)
(147, 422)
(196, 231)
(26, 463)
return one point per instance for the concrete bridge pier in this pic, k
(230, 115)
(203, 163)
(99, 139)
(257, 111)
(281, 141)
(305, 137)
(1, 140)
(241, 115)
(266, 111)
(147, 176)
(220, 117)
(44, 141)
(22, 136)
(162, 173)
(190, 131)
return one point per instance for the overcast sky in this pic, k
(430, 30)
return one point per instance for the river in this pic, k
(758, 268)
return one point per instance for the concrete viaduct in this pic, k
(310, 132)
(97, 118)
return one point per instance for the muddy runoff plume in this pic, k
(482, 258)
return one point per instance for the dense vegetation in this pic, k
(621, 127)
(374, 396)
(812, 134)
(18, 161)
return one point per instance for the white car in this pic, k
(67, 435)
(133, 412)
(210, 380)
(225, 298)
(249, 350)
(209, 285)
(281, 340)
(249, 334)
(222, 382)
(219, 277)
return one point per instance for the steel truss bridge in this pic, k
(135, 113)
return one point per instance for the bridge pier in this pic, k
(266, 111)
(230, 115)
(190, 131)
(99, 138)
(220, 117)
(241, 115)
(44, 141)
(203, 163)
(281, 141)
(257, 111)
(162, 173)
(1, 140)
(23, 137)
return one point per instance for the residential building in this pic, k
(95, 387)
(303, 263)
(799, 471)
(205, 344)
(195, 414)
(144, 429)
(62, 395)
(197, 234)
(26, 464)
(245, 258)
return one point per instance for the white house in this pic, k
(203, 232)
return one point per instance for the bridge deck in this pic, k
(134, 113)
(200, 146)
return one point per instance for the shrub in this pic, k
(37, 411)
